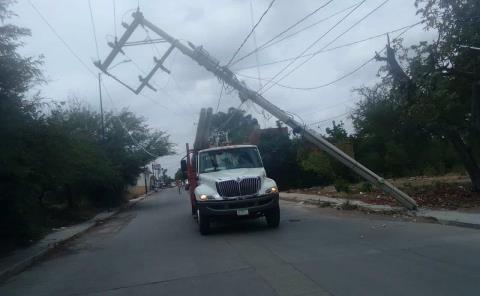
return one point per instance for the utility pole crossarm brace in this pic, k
(225, 74)
(138, 20)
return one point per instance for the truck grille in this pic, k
(233, 188)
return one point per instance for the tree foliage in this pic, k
(236, 122)
(59, 160)
(428, 95)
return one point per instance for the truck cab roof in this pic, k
(227, 147)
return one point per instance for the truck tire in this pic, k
(273, 217)
(203, 223)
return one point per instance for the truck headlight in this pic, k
(204, 197)
(271, 190)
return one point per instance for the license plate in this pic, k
(242, 212)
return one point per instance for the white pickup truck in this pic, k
(230, 181)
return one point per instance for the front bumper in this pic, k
(255, 206)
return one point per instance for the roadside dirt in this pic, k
(446, 192)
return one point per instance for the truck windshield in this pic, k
(228, 159)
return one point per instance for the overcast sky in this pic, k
(220, 26)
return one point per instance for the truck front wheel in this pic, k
(273, 217)
(203, 223)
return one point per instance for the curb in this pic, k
(351, 205)
(20, 266)
(466, 223)
(355, 205)
(454, 223)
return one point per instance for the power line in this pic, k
(94, 30)
(89, 70)
(318, 86)
(251, 31)
(61, 39)
(114, 18)
(220, 96)
(255, 44)
(153, 81)
(314, 24)
(328, 119)
(156, 85)
(343, 114)
(266, 44)
(341, 103)
(315, 42)
(344, 76)
(122, 124)
(262, 112)
(331, 48)
(339, 78)
(331, 42)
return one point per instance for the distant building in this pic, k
(139, 188)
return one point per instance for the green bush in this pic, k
(366, 187)
(342, 186)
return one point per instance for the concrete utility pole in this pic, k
(203, 58)
(101, 104)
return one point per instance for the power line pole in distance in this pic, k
(101, 104)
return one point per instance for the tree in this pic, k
(437, 93)
(52, 164)
(17, 121)
(236, 123)
(180, 175)
(279, 155)
(337, 133)
(106, 166)
(447, 77)
(391, 143)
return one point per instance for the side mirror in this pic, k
(183, 165)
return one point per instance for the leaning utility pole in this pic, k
(202, 57)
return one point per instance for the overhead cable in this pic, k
(94, 30)
(328, 119)
(251, 31)
(266, 44)
(312, 25)
(337, 79)
(315, 42)
(328, 44)
(331, 48)
(72, 52)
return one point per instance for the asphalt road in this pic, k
(155, 249)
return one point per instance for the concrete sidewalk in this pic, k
(455, 218)
(338, 202)
(23, 258)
